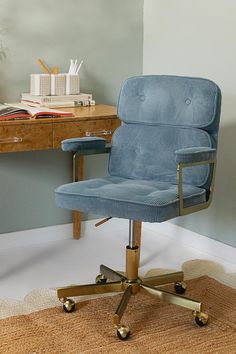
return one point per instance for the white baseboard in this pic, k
(207, 247)
(35, 236)
(210, 247)
(51, 233)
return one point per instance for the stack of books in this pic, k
(82, 99)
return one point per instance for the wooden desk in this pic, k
(47, 133)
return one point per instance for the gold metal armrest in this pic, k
(188, 210)
(80, 154)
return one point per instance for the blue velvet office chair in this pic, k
(162, 165)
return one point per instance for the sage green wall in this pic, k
(107, 34)
(197, 38)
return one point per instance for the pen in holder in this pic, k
(58, 84)
(40, 84)
(72, 84)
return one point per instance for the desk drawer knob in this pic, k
(101, 132)
(14, 139)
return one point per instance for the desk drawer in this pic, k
(100, 127)
(26, 137)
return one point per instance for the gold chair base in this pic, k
(111, 281)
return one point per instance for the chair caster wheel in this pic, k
(123, 332)
(101, 279)
(69, 305)
(201, 318)
(180, 287)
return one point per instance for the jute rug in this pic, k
(156, 327)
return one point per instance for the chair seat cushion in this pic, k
(150, 201)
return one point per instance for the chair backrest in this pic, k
(161, 114)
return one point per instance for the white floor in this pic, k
(49, 257)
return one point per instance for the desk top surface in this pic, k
(99, 111)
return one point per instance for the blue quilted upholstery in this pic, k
(85, 143)
(195, 154)
(147, 152)
(160, 114)
(151, 201)
(171, 100)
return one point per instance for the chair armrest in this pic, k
(83, 144)
(195, 154)
(190, 157)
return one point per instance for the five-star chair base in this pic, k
(110, 281)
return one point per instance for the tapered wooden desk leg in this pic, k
(77, 218)
(138, 234)
(77, 215)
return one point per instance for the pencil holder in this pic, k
(40, 84)
(72, 84)
(58, 84)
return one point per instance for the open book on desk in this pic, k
(16, 111)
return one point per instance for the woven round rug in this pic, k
(156, 327)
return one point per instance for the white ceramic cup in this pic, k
(72, 84)
(40, 84)
(58, 84)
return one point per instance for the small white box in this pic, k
(58, 84)
(40, 84)
(72, 84)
